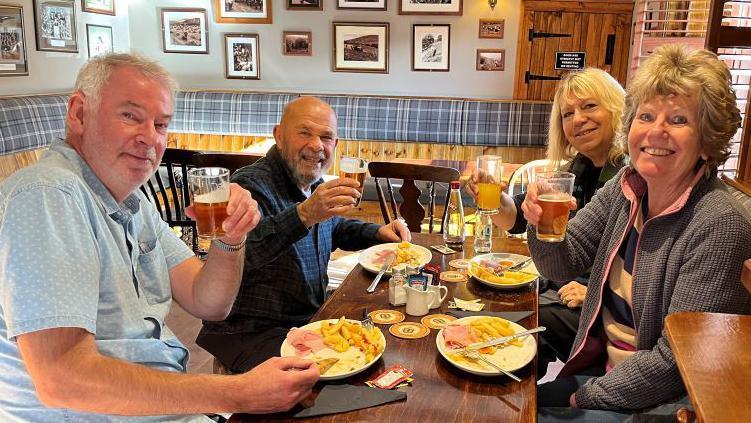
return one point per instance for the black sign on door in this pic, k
(569, 60)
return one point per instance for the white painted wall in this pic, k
(137, 25)
(53, 72)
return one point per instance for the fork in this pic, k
(366, 321)
(474, 355)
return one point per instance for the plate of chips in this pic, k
(354, 347)
(491, 269)
(406, 253)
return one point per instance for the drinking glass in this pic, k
(209, 193)
(554, 195)
(490, 174)
(354, 168)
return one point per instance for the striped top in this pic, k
(617, 316)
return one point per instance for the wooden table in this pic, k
(440, 392)
(713, 352)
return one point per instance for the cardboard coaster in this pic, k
(409, 330)
(386, 317)
(437, 321)
(452, 276)
(459, 263)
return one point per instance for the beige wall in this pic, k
(137, 26)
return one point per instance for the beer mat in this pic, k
(452, 276)
(459, 263)
(386, 317)
(409, 330)
(437, 321)
(342, 398)
(513, 316)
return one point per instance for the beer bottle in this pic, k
(453, 224)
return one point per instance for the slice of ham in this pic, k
(459, 336)
(305, 341)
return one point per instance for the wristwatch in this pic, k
(229, 247)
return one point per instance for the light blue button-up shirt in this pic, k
(71, 256)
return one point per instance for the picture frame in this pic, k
(491, 28)
(55, 25)
(490, 59)
(361, 47)
(13, 60)
(304, 4)
(99, 40)
(103, 7)
(362, 4)
(416, 7)
(241, 56)
(185, 30)
(242, 11)
(431, 47)
(297, 43)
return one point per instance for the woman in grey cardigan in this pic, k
(663, 236)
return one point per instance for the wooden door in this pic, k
(604, 38)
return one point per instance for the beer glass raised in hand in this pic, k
(489, 176)
(209, 191)
(354, 168)
(554, 194)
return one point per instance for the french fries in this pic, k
(342, 335)
(487, 328)
(406, 254)
(508, 278)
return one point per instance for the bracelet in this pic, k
(229, 247)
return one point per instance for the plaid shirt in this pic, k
(588, 180)
(284, 278)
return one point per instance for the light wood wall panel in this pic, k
(10, 163)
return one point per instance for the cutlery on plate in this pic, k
(519, 265)
(474, 355)
(384, 267)
(504, 339)
(366, 321)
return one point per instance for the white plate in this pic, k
(368, 258)
(497, 257)
(341, 369)
(509, 358)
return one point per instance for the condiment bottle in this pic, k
(453, 224)
(397, 293)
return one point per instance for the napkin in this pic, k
(340, 398)
(513, 316)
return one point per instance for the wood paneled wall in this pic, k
(10, 163)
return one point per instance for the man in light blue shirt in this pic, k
(88, 272)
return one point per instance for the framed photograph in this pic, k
(55, 25)
(304, 4)
(491, 28)
(430, 47)
(297, 43)
(430, 7)
(12, 43)
(99, 39)
(361, 4)
(245, 11)
(105, 7)
(361, 47)
(241, 56)
(490, 59)
(185, 31)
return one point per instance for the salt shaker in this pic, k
(397, 293)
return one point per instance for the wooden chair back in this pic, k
(168, 191)
(746, 274)
(229, 160)
(410, 209)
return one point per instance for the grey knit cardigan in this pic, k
(689, 258)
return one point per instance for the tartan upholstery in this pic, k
(31, 122)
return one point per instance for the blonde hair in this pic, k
(588, 83)
(673, 69)
(95, 74)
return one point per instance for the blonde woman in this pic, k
(663, 236)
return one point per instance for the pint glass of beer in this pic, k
(209, 192)
(490, 174)
(354, 168)
(554, 195)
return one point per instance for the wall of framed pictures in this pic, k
(296, 49)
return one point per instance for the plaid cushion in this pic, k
(31, 122)
(505, 123)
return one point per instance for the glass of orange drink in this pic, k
(490, 174)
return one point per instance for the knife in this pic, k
(504, 339)
(383, 270)
(520, 265)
